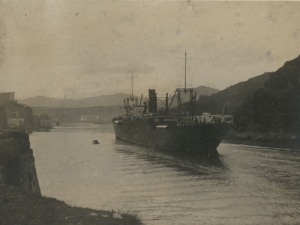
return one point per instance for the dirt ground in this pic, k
(18, 207)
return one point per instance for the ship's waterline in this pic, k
(244, 185)
(175, 128)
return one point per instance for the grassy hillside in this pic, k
(276, 106)
(231, 97)
(269, 102)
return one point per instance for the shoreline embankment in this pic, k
(21, 201)
(276, 140)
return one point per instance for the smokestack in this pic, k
(152, 101)
(167, 103)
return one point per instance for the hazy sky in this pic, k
(77, 49)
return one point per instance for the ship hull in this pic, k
(199, 138)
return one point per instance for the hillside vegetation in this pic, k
(269, 102)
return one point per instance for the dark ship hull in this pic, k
(170, 135)
(170, 128)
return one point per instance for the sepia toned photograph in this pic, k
(137, 112)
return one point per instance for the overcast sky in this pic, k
(77, 49)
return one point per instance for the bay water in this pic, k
(244, 185)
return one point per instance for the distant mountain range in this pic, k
(72, 115)
(265, 103)
(104, 100)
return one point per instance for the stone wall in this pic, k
(17, 165)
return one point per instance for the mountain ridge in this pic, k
(265, 103)
(103, 100)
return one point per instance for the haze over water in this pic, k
(245, 185)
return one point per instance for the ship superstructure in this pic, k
(162, 125)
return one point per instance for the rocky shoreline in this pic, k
(21, 201)
(277, 140)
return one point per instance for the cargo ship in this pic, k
(172, 128)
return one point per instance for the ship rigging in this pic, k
(167, 127)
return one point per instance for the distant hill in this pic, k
(269, 102)
(276, 106)
(232, 96)
(104, 100)
(72, 115)
(201, 91)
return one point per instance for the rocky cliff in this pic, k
(17, 166)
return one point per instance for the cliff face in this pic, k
(17, 166)
(20, 196)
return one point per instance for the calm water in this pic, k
(245, 185)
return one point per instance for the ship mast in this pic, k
(131, 86)
(178, 91)
(185, 72)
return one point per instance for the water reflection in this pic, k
(244, 185)
(191, 163)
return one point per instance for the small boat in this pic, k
(95, 142)
(99, 123)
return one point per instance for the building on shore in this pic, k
(89, 118)
(20, 117)
(7, 98)
(45, 121)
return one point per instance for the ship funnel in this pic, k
(152, 101)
